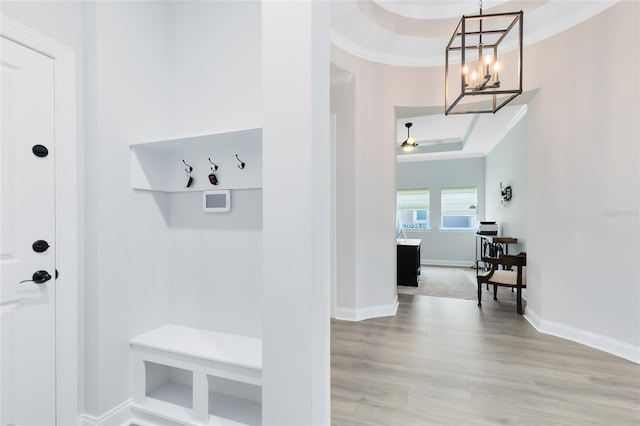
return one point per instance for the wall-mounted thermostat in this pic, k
(216, 201)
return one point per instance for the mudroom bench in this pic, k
(193, 376)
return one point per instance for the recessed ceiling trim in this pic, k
(434, 9)
(567, 20)
(358, 35)
(372, 55)
(433, 156)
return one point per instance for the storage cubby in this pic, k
(235, 401)
(158, 165)
(169, 384)
(194, 376)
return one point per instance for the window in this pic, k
(459, 208)
(413, 209)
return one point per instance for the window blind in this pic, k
(413, 199)
(457, 201)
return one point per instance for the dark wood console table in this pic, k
(408, 261)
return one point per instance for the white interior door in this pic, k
(27, 216)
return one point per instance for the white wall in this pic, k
(127, 282)
(215, 65)
(215, 71)
(507, 163)
(444, 247)
(378, 88)
(215, 263)
(583, 180)
(343, 106)
(296, 144)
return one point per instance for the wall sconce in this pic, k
(475, 81)
(505, 194)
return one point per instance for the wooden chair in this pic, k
(506, 277)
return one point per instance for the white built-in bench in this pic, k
(192, 376)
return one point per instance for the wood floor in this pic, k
(444, 361)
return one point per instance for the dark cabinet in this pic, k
(408, 261)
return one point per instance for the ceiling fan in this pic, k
(410, 143)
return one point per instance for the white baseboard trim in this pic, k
(350, 314)
(445, 262)
(120, 415)
(587, 338)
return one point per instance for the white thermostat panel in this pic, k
(216, 201)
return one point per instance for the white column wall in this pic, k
(295, 334)
(343, 105)
(378, 89)
(583, 165)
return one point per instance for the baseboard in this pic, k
(117, 416)
(445, 262)
(587, 338)
(350, 314)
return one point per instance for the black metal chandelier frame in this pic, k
(483, 88)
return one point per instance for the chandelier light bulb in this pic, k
(474, 75)
(487, 60)
(407, 147)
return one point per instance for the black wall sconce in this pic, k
(505, 193)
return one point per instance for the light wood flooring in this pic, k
(443, 361)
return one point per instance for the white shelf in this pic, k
(157, 165)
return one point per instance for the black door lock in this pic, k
(40, 151)
(40, 246)
(39, 277)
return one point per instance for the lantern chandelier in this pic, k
(472, 71)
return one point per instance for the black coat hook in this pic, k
(189, 169)
(241, 165)
(215, 166)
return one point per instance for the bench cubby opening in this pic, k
(169, 384)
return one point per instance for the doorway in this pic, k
(61, 369)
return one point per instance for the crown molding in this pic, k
(550, 18)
